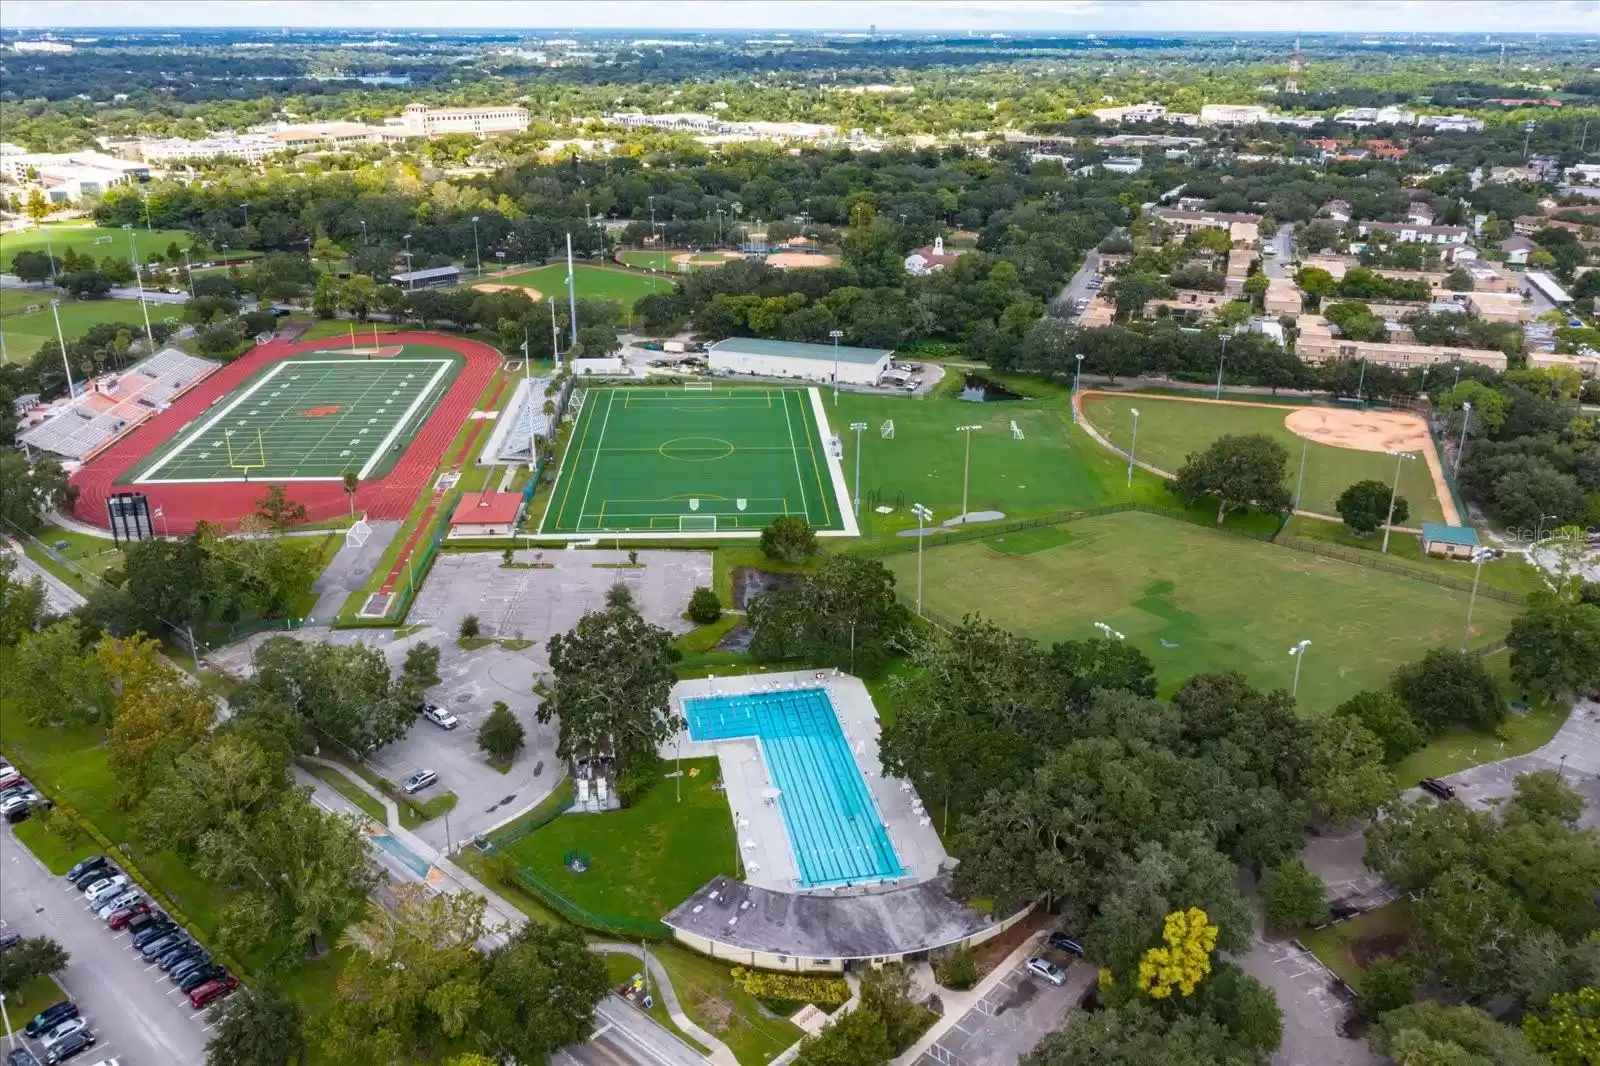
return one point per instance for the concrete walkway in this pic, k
(669, 999)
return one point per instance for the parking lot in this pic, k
(1312, 1007)
(1015, 1015)
(139, 1017)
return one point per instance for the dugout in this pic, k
(797, 360)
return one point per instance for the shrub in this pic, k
(1387, 985)
(704, 607)
(1293, 896)
(789, 539)
(958, 970)
(823, 991)
(469, 627)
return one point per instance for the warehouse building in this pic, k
(793, 359)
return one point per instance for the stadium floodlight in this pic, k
(1479, 557)
(1134, 445)
(1077, 379)
(923, 515)
(55, 313)
(1299, 653)
(1461, 445)
(477, 255)
(1220, 362)
(858, 427)
(1538, 527)
(1394, 493)
(1108, 632)
(836, 334)
(966, 468)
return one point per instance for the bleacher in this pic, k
(115, 403)
(516, 442)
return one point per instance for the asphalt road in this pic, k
(1078, 285)
(129, 1008)
(1019, 1012)
(59, 596)
(1283, 240)
(118, 292)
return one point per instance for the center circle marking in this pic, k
(696, 449)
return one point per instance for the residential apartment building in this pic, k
(1407, 232)
(1499, 306)
(420, 120)
(1131, 113)
(1317, 344)
(1244, 229)
(1282, 298)
(1233, 114)
(1451, 123)
(1587, 365)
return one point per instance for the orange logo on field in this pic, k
(320, 412)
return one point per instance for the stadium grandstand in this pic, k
(112, 405)
(512, 439)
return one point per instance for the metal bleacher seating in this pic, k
(115, 403)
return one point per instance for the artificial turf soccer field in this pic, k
(706, 461)
(314, 417)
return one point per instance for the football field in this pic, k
(724, 462)
(311, 418)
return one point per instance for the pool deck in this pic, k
(771, 863)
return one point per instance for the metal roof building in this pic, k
(794, 359)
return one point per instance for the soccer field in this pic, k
(722, 462)
(311, 418)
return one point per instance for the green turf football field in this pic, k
(673, 460)
(311, 418)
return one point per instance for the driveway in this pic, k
(1312, 1010)
(1574, 752)
(139, 1016)
(1078, 285)
(1016, 1014)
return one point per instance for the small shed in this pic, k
(487, 514)
(1451, 542)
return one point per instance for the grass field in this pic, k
(311, 418)
(670, 460)
(597, 282)
(643, 860)
(1170, 429)
(1194, 601)
(26, 332)
(92, 240)
(644, 259)
(35, 995)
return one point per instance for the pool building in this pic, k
(840, 864)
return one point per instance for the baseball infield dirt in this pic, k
(533, 293)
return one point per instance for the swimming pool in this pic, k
(834, 829)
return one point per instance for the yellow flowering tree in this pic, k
(1568, 1032)
(1184, 962)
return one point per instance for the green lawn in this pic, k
(1460, 747)
(1170, 429)
(27, 333)
(98, 241)
(716, 1004)
(349, 790)
(1347, 947)
(622, 969)
(1510, 574)
(57, 854)
(599, 282)
(35, 995)
(644, 259)
(1219, 601)
(644, 860)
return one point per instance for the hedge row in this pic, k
(823, 991)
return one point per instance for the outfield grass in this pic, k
(91, 240)
(1510, 574)
(646, 859)
(596, 282)
(643, 259)
(1170, 430)
(1222, 602)
(1338, 946)
(27, 333)
(1459, 747)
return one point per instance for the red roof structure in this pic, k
(487, 509)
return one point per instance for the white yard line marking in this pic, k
(599, 449)
(794, 453)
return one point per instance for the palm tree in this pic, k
(351, 483)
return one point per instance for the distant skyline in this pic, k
(987, 16)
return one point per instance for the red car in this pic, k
(212, 991)
(12, 778)
(118, 919)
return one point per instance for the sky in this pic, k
(989, 16)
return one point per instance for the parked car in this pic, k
(107, 890)
(153, 931)
(126, 898)
(1048, 970)
(94, 867)
(1063, 942)
(21, 1057)
(63, 1030)
(9, 779)
(159, 946)
(9, 940)
(212, 991)
(140, 922)
(1443, 789)
(419, 781)
(188, 966)
(188, 949)
(439, 716)
(105, 880)
(201, 975)
(120, 918)
(49, 1018)
(71, 1047)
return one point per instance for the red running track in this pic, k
(389, 497)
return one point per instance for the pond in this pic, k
(748, 583)
(978, 389)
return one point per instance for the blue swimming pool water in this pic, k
(834, 828)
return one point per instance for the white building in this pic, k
(249, 147)
(1370, 116)
(420, 120)
(1407, 232)
(1584, 174)
(1232, 114)
(1123, 164)
(804, 362)
(1451, 123)
(1131, 113)
(41, 47)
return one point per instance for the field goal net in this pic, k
(356, 536)
(697, 386)
(887, 430)
(697, 523)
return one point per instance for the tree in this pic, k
(1386, 718)
(421, 669)
(1364, 507)
(1386, 985)
(539, 993)
(33, 266)
(1243, 1006)
(613, 676)
(1316, 283)
(854, 1038)
(1130, 292)
(1185, 958)
(1555, 646)
(1446, 687)
(1543, 796)
(1426, 1034)
(1467, 927)
(1293, 896)
(1255, 287)
(1138, 1033)
(469, 628)
(278, 510)
(704, 607)
(258, 1026)
(1350, 779)
(1239, 471)
(501, 736)
(326, 691)
(1098, 664)
(52, 680)
(22, 603)
(352, 482)
(159, 713)
(1458, 280)
(886, 991)
(28, 958)
(231, 775)
(28, 491)
(1568, 1031)
(845, 615)
(38, 206)
(789, 539)
(619, 597)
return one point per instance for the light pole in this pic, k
(1458, 376)
(56, 314)
(1538, 527)
(1299, 653)
(1077, 379)
(476, 254)
(1134, 445)
(858, 427)
(1461, 446)
(363, 231)
(966, 468)
(50, 250)
(5, 1016)
(836, 334)
(1361, 382)
(1300, 480)
(1399, 462)
(923, 515)
(1479, 557)
(1221, 361)
(410, 281)
(188, 268)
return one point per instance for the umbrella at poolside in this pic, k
(771, 793)
(748, 844)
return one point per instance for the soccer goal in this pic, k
(356, 536)
(1016, 432)
(697, 386)
(697, 523)
(886, 431)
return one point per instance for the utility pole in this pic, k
(858, 427)
(966, 468)
(923, 515)
(1479, 557)
(572, 298)
(476, 254)
(1461, 446)
(1300, 481)
(56, 314)
(1077, 380)
(1221, 361)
